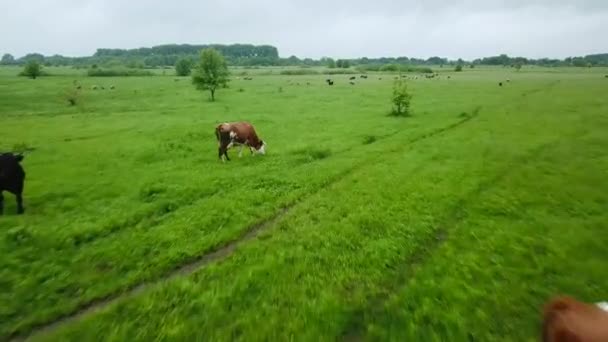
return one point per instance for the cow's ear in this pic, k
(19, 157)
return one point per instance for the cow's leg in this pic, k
(240, 151)
(1, 203)
(223, 154)
(19, 203)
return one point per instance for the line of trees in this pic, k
(266, 55)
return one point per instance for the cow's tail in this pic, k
(217, 132)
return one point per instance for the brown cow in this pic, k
(238, 133)
(566, 319)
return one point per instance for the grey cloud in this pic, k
(314, 28)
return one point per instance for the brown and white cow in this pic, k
(567, 319)
(238, 133)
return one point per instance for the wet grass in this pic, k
(455, 223)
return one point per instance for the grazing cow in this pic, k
(94, 87)
(238, 133)
(79, 87)
(379, 78)
(352, 78)
(508, 80)
(500, 84)
(12, 178)
(363, 76)
(329, 82)
(567, 319)
(112, 87)
(351, 83)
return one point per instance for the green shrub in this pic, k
(401, 99)
(32, 70)
(340, 72)
(183, 67)
(294, 72)
(98, 72)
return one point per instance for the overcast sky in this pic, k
(312, 28)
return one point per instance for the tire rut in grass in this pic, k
(355, 328)
(218, 253)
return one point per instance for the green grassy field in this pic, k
(456, 223)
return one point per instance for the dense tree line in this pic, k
(266, 55)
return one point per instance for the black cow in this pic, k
(12, 178)
(353, 78)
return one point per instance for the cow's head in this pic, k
(262, 148)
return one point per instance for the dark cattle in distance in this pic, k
(238, 133)
(351, 83)
(500, 84)
(363, 76)
(353, 78)
(12, 178)
(329, 82)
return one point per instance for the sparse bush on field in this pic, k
(211, 72)
(98, 72)
(390, 67)
(72, 96)
(401, 99)
(32, 70)
(394, 68)
(340, 72)
(458, 67)
(294, 72)
(183, 67)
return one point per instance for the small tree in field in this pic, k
(183, 67)
(401, 98)
(32, 69)
(211, 72)
(517, 66)
(458, 67)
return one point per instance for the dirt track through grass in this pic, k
(346, 229)
(226, 250)
(354, 330)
